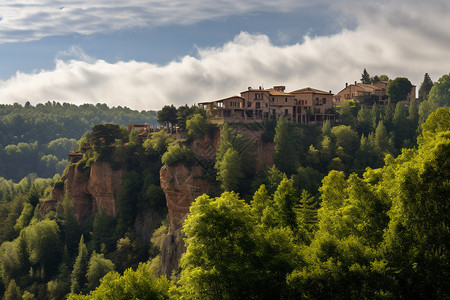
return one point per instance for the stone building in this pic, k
(306, 105)
(368, 94)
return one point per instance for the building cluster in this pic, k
(368, 94)
(307, 105)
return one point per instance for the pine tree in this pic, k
(307, 211)
(285, 201)
(284, 156)
(80, 268)
(13, 291)
(365, 77)
(400, 124)
(229, 171)
(326, 128)
(425, 87)
(381, 138)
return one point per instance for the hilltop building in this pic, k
(306, 105)
(368, 94)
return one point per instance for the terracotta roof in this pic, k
(274, 92)
(368, 87)
(228, 98)
(309, 90)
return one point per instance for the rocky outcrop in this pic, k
(181, 186)
(91, 189)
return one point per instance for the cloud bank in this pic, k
(389, 40)
(26, 20)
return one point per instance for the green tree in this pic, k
(384, 77)
(229, 171)
(401, 125)
(284, 156)
(365, 77)
(439, 96)
(346, 138)
(167, 116)
(133, 284)
(25, 217)
(43, 247)
(285, 199)
(219, 249)
(197, 126)
(13, 291)
(157, 143)
(375, 79)
(364, 125)
(326, 128)
(382, 138)
(307, 211)
(98, 267)
(425, 87)
(398, 89)
(78, 277)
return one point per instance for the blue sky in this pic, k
(147, 53)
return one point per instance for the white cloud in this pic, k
(26, 20)
(388, 40)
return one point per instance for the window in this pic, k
(273, 99)
(324, 101)
(274, 112)
(285, 99)
(286, 112)
(306, 102)
(258, 105)
(249, 104)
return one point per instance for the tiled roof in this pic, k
(274, 92)
(309, 90)
(228, 98)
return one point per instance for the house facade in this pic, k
(306, 105)
(368, 94)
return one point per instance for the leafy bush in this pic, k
(177, 154)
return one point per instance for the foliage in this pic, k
(28, 133)
(78, 277)
(157, 143)
(197, 126)
(138, 284)
(439, 96)
(425, 87)
(178, 154)
(97, 268)
(398, 89)
(167, 116)
(229, 170)
(365, 77)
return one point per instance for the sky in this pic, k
(145, 54)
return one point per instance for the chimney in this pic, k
(330, 91)
(346, 84)
(355, 82)
(249, 88)
(260, 88)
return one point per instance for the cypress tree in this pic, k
(425, 87)
(80, 268)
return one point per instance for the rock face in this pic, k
(92, 190)
(181, 186)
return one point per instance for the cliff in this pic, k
(182, 185)
(91, 189)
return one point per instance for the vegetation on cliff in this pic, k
(356, 210)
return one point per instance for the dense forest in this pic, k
(37, 139)
(358, 209)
